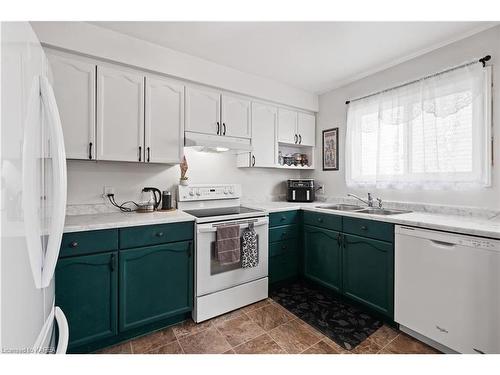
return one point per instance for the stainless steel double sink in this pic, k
(363, 210)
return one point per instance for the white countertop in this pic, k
(79, 223)
(476, 226)
(471, 225)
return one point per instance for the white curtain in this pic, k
(431, 134)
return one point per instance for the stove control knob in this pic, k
(225, 191)
(198, 192)
(191, 192)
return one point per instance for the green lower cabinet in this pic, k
(156, 282)
(86, 290)
(368, 272)
(322, 257)
(284, 261)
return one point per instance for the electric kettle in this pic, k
(150, 199)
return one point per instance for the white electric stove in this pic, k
(220, 289)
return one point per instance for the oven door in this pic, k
(210, 275)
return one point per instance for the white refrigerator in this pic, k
(33, 197)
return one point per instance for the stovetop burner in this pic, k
(221, 211)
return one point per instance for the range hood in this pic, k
(216, 143)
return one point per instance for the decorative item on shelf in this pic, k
(304, 160)
(331, 149)
(280, 158)
(184, 167)
(288, 160)
(297, 159)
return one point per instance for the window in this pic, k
(434, 133)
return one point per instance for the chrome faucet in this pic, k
(368, 202)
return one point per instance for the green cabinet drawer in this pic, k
(156, 283)
(283, 218)
(368, 272)
(369, 228)
(87, 292)
(284, 267)
(323, 257)
(155, 234)
(95, 241)
(283, 247)
(327, 221)
(283, 233)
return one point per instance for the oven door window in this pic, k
(216, 267)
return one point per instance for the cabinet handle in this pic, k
(112, 262)
(224, 126)
(339, 239)
(140, 153)
(283, 218)
(296, 139)
(283, 234)
(218, 128)
(283, 247)
(253, 160)
(90, 150)
(320, 220)
(159, 234)
(300, 139)
(73, 244)
(148, 153)
(364, 227)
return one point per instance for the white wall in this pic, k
(332, 113)
(99, 42)
(86, 179)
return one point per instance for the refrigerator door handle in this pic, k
(59, 183)
(30, 184)
(63, 329)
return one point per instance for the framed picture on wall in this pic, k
(331, 149)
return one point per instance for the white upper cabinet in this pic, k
(296, 127)
(164, 129)
(264, 123)
(74, 85)
(236, 117)
(287, 126)
(203, 111)
(306, 129)
(120, 114)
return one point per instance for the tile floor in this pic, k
(262, 328)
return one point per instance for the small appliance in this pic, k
(150, 199)
(300, 190)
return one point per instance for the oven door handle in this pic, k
(242, 226)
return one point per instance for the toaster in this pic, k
(300, 190)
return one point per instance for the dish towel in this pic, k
(227, 244)
(250, 252)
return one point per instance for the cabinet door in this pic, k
(322, 256)
(287, 126)
(368, 272)
(283, 261)
(74, 87)
(235, 116)
(203, 111)
(120, 114)
(263, 135)
(306, 129)
(86, 290)
(164, 132)
(155, 283)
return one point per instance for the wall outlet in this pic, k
(321, 189)
(107, 190)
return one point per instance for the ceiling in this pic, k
(312, 56)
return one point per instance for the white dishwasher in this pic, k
(447, 289)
